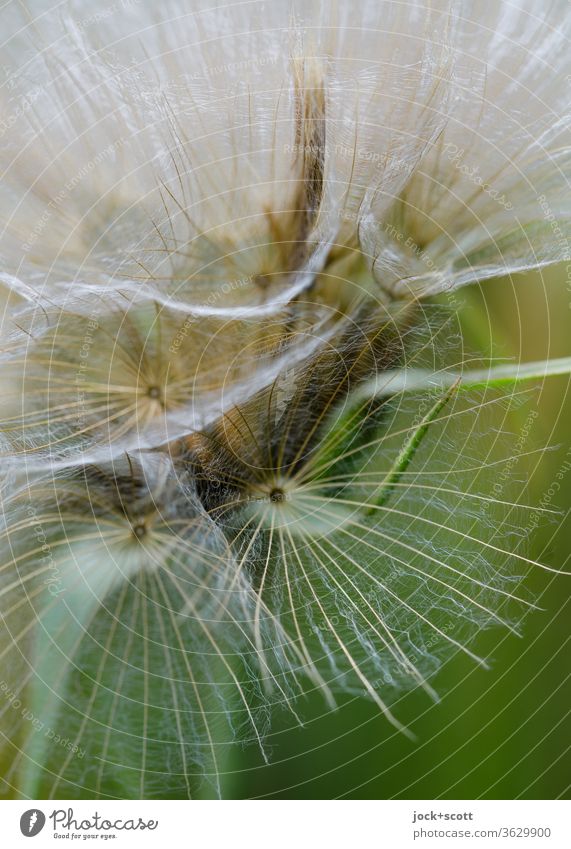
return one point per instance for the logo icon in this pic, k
(32, 822)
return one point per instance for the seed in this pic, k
(277, 494)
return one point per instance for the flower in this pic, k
(195, 149)
(219, 226)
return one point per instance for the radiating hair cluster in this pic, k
(221, 230)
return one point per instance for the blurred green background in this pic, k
(498, 733)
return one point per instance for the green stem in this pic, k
(407, 452)
(413, 380)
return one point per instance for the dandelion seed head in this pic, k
(218, 245)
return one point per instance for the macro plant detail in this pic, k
(234, 242)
